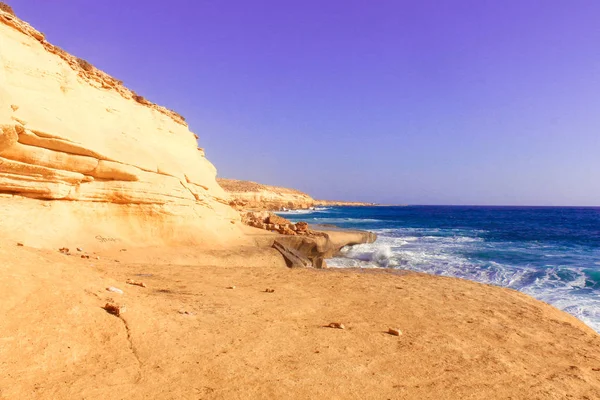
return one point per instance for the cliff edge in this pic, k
(247, 195)
(77, 148)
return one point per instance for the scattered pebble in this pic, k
(269, 290)
(79, 249)
(85, 256)
(114, 289)
(230, 287)
(97, 257)
(136, 283)
(186, 312)
(114, 309)
(394, 332)
(64, 250)
(20, 244)
(336, 325)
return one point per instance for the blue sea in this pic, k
(550, 253)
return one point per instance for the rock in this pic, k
(114, 309)
(20, 244)
(79, 249)
(114, 289)
(230, 287)
(319, 262)
(336, 325)
(85, 256)
(255, 196)
(394, 332)
(277, 220)
(64, 250)
(269, 290)
(293, 258)
(135, 283)
(70, 140)
(301, 226)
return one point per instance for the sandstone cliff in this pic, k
(329, 203)
(248, 195)
(82, 154)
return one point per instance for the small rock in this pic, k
(85, 256)
(336, 325)
(97, 257)
(20, 244)
(79, 249)
(269, 290)
(136, 283)
(186, 312)
(230, 287)
(114, 289)
(123, 250)
(64, 250)
(394, 332)
(114, 309)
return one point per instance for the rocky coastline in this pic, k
(133, 274)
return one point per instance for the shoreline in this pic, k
(205, 326)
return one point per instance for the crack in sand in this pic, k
(133, 349)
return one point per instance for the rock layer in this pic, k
(248, 195)
(69, 132)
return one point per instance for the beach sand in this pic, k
(204, 327)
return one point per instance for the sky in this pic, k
(398, 102)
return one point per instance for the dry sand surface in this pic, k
(189, 335)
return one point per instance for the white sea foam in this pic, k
(422, 250)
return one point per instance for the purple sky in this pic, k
(418, 102)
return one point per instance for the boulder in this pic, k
(276, 219)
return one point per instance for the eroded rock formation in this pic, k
(71, 133)
(248, 195)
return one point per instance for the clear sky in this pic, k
(418, 102)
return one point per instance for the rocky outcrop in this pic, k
(301, 250)
(336, 203)
(271, 222)
(246, 195)
(71, 133)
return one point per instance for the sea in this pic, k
(550, 253)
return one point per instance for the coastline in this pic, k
(131, 274)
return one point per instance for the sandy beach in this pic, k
(210, 330)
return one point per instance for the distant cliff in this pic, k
(80, 151)
(325, 203)
(248, 195)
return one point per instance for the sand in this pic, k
(189, 335)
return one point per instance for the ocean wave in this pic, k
(326, 220)
(572, 289)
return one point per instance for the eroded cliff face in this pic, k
(248, 195)
(70, 133)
